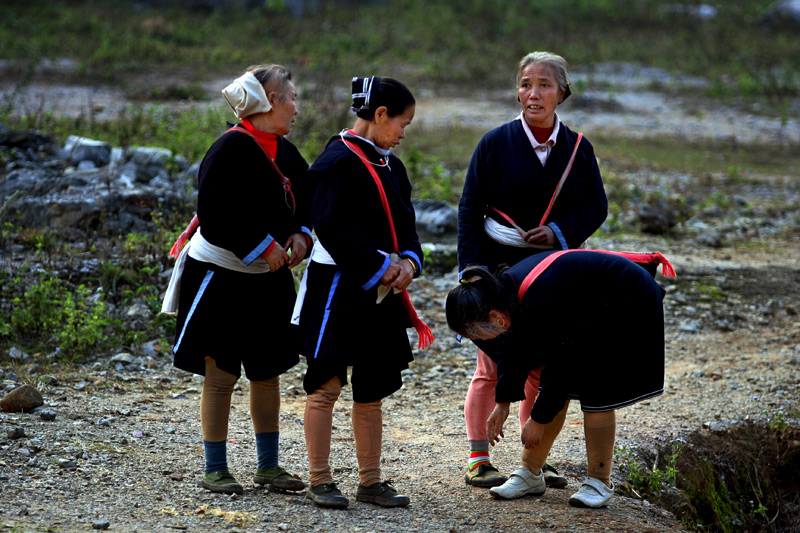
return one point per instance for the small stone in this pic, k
(123, 358)
(104, 422)
(67, 463)
(22, 398)
(16, 433)
(18, 355)
(176, 476)
(101, 524)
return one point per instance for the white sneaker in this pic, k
(593, 493)
(520, 483)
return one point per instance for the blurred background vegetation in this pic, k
(171, 57)
(166, 51)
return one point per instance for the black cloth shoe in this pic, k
(277, 478)
(485, 476)
(327, 495)
(552, 478)
(382, 494)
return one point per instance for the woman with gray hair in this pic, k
(236, 290)
(533, 185)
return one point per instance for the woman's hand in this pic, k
(494, 425)
(297, 244)
(532, 433)
(399, 275)
(276, 257)
(543, 235)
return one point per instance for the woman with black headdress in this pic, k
(353, 308)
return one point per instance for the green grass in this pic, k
(697, 157)
(472, 44)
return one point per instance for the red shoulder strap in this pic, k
(555, 193)
(425, 334)
(287, 184)
(562, 180)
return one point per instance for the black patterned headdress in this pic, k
(363, 89)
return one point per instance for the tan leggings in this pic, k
(215, 403)
(367, 419)
(599, 430)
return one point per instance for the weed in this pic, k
(51, 314)
(649, 479)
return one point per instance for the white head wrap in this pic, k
(246, 96)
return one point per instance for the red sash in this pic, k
(425, 333)
(636, 257)
(555, 193)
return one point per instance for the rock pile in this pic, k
(89, 187)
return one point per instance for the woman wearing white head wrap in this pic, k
(236, 291)
(246, 96)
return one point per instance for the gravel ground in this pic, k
(124, 450)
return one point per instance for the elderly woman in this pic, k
(236, 292)
(594, 321)
(533, 185)
(355, 308)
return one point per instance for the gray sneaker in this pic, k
(593, 493)
(382, 494)
(327, 495)
(521, 483)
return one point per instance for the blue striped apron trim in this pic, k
(378, 275)
(560, 236)
(334, 284)
(252, 256)
(200, 291)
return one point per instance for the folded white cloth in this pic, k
(246, 96)
(200, 249)
(320, 255)
(508, 236)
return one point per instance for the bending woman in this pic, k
(236, 292)
(595, 322)
(355, 310)
(533, 185)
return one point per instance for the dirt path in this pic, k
(125, 443)
(629, 109)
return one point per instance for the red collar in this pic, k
(268, 141)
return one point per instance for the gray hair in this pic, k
(273, 78)
(477, 329)
(558, 63)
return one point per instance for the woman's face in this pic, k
(284, 110)
(391, 130)
(539, 94)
